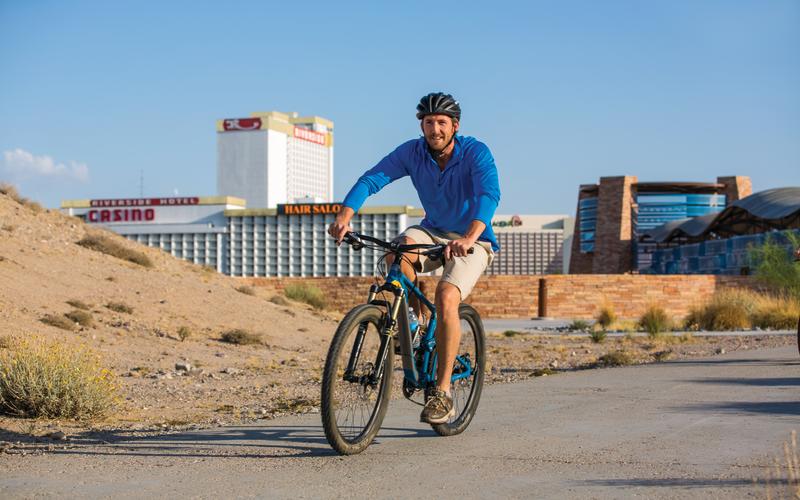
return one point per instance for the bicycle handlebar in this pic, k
(433, 251)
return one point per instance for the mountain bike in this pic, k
(357, 380)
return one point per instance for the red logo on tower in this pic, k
(309, 135)
(231, 124)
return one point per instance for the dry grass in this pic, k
(606, 316)
(279, 300)
(616, 358)
(11, 192)
(247, 290)
(83, 318)
(240, 337)
(57, 321)
(46, 379)
(777, 313)
(739, 309)
(655, 320)
(110, 246)
(304, 292)
(120, 307)
(78, 304)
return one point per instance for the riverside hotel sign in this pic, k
(132, 209)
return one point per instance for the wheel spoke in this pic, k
(352, 407)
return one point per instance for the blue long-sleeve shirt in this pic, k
(466, 190)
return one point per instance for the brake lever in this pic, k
(353, 241)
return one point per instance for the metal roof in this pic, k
(777, 208)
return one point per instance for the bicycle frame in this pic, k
(401, 287)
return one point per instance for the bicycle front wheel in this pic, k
(354, 401)
(468, 370)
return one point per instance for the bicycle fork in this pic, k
(397, 319)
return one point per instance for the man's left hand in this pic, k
(458, 248)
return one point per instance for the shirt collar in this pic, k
(457, 150)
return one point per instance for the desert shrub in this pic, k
(11, 192)
(598, 336)
(120, 307)
(247, 290)
(655, 320)
(45, 379)
(616, 358)
(728, 309)
(775, 266)
(542, 372)
(78, 304)
(304, 292)
(606, 316)
(108, 245)
(777, 313)
(184, 333)
(279, 300)
(240, 337)
(579, 325)
(83, 318)
(662, 355)
(511, 333)
(58, 321)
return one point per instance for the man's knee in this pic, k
(448, 296)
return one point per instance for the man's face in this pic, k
(438, 130)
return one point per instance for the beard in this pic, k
(437, 142)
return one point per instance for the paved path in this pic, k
(693, 428)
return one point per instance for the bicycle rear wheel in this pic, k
(469, 367)
(354, 404)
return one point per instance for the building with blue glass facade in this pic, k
(612, 214)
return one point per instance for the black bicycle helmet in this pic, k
(438, 103)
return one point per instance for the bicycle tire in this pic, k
(466, 410)
(354, 438)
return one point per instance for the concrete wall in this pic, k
(568, 296)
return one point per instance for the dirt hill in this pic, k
(42, 268)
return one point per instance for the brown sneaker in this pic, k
(438, 408)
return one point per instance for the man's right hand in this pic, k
(341, 226)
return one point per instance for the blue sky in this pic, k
(93, 93)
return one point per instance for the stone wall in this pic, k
(568, 296)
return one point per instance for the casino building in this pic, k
(292, 240)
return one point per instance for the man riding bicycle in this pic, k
(456, 180)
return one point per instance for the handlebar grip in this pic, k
(353, 241)
(436, 255)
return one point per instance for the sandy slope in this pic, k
(42, 267)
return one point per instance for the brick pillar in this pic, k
(581, 263)
(736, 187)
(613, 252)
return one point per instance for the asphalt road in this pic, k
(687, 429)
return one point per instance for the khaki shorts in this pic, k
(463, 272)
